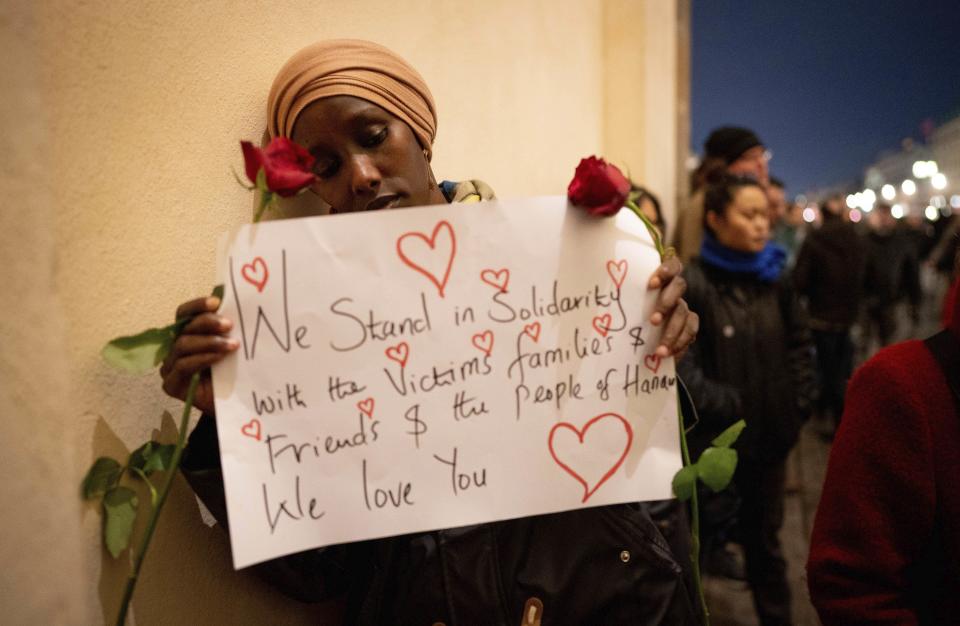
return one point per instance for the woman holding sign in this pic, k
(369, 121)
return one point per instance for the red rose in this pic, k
(598, 187)
(286, 166)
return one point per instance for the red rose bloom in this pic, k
(598, 187)
(286, 166)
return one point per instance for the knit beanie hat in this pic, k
(729, 142)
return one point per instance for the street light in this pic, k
(888, 191)
(932, 213)
(924, 169)
(908, 187)
(896, 211)
(939, 181)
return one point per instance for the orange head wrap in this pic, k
(351, 67)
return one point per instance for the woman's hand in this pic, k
(680, 324)
(202, 343)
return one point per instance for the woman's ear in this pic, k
(713, 220)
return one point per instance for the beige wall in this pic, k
(120, 126)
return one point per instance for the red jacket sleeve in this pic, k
(876, 513)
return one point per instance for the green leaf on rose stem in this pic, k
(120, 511)
(102, 476)
(716, 466)
(142, 352)
(684, 482)
(152, 457)
(728, 437)
(262, 180)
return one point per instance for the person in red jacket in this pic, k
(886, 540)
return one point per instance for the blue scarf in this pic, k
(765, 265)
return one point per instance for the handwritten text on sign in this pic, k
(409, 370)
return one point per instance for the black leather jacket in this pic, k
(753, 359)
(603, 565)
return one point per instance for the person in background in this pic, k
(777, 198)
(707, 169)
(785, 220)
(892, 275)
(730, 149)
(752, 360)
(650, 206)
(886, 540)
(829, 273)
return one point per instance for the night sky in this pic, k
(826, 85)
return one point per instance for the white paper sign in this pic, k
(417, 369)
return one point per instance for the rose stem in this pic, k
(164, 490)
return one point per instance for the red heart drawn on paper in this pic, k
(612, 433)
(532, 331)
(496, 278)
(256, 273)
(601, 323)
(435, 259)
(483, 341)
(252, 429)
(652, 362)
(617, 271)
(366, 407)
(398, 353)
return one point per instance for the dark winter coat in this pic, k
(603, 565)
(830, 273)
(893, 269)
(753, 359)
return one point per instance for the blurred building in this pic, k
(921, 179)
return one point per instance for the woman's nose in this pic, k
(365, 177)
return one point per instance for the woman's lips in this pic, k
(386, 201)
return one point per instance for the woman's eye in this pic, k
(375, 139)
(326, 168)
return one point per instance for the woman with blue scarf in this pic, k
(752, 359)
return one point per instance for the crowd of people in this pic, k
(787, 309)
(776, 303)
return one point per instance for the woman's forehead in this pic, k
(327, 115)
(750, 195)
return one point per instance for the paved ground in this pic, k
(730, 601)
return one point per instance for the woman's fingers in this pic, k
(207, 324)
(192, 344)
(668, 270)
(201, 343)
(188, 345)
(688, 333)
(176, 381)
(197, 306)
(668, 300)
(673, 329)
(680, 324)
